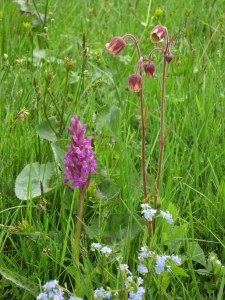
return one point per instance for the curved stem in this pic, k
(155, 49)
(135, 41)
(162, 140)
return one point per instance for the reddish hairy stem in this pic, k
(143, 144)
(162, 140)
(135, 41)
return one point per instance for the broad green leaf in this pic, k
(46, 132)
(196, 253)
(93, 229)
(59, 151)
(119, 227)
(28, 182)
(165, 280)
(116, 229)
(177, 236)
(107, 190)
(150, 180)
(179, 271)
(109, 120)
(22, 282)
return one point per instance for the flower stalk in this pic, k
(79, 164)
(116, 45)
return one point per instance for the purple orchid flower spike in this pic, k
(80, 162)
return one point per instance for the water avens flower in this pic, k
(149, 69)
(135, 82)
(115, 45)
(80, 161)
(158, 33)
(168, 57)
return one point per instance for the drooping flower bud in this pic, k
(116, 45)
(158, 33)
(168, 57)
(135, 82)
(149, 69)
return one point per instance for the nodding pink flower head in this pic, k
(168, 57)
(79, 160)
(149, 69)
(115, 45)
(158, 33)
(135, 82)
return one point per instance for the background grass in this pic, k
(194, 157)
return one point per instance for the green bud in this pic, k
(69, 64)
(158, 12)
(47, 75)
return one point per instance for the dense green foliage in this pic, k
(35, 40)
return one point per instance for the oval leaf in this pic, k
(22, 282)
(28, 182)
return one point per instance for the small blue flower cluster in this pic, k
(138, 295)
(104, 249)
(53, 291)
(167, 216)
(130, 283)
(99, 293)
(124, 268)
(150, 213)
(160, 261)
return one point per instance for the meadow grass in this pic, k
(34, 42)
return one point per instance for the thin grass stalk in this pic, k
(45, 108)
(63, 102)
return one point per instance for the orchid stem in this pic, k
(76, 240)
